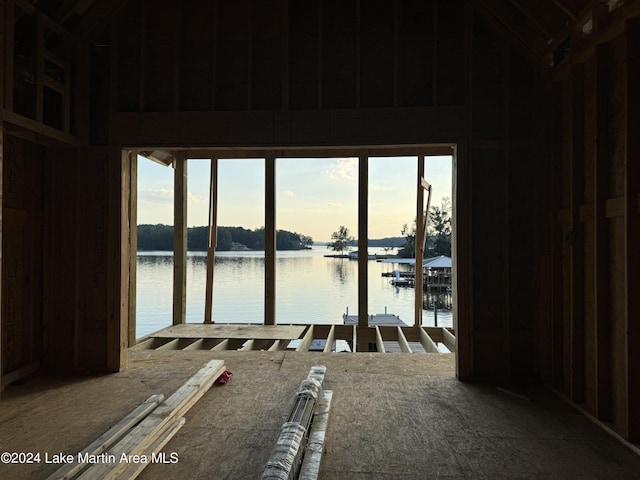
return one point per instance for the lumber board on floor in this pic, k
(102, 443)
(217, 330)
(134, 469)
(153, 427)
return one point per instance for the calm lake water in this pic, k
(309, 289)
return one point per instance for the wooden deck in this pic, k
(392, 336)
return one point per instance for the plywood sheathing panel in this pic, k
(232, 55)
(489, 168)
(93, 214)
(218, 330)
(304, 50)
(525, 213)
(376, 53)
(60, 257)
(160, 57)
(266, 53)
(273, 55)
(197, 55)
(129, 30)
(22, 254)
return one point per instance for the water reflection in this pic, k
(341, 269)
(309, 289)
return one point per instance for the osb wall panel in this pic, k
(525, 216)
(376, 49)
(450, 79)
(60, 258)
(522, 257)
(489, 88)
(76, 261)
(128, 31)
(274, 55)
(21, 254)
(159, 53)
(92, 271)
(490, 256)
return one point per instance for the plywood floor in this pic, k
(394, 416)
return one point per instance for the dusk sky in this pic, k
(314, 195)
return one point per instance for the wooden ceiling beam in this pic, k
(500, 14)
(544, 15)
(98, 15)
(572, 14)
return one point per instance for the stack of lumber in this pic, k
(126, 449)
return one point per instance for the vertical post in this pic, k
(419, 246)
(601, 237)
(632, 227)
(3, 61)
(212, 240)
(39, 67)
(577, 387)
(133, 243)
(270, 241)
(462, 238)
(180, 238)
(118, 264)
(363, 242)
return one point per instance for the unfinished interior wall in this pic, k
(363, 73)
(22, 252)
(510, 202)
(598, 211)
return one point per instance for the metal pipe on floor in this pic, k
(286, 458)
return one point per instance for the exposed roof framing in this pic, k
(80, 16)
(537, 26)
(540, 26)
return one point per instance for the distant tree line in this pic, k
(160, 237)
(439, 233)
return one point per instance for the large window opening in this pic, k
(154, 256)
(348, 240)
(238, 281)
(316, 198)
